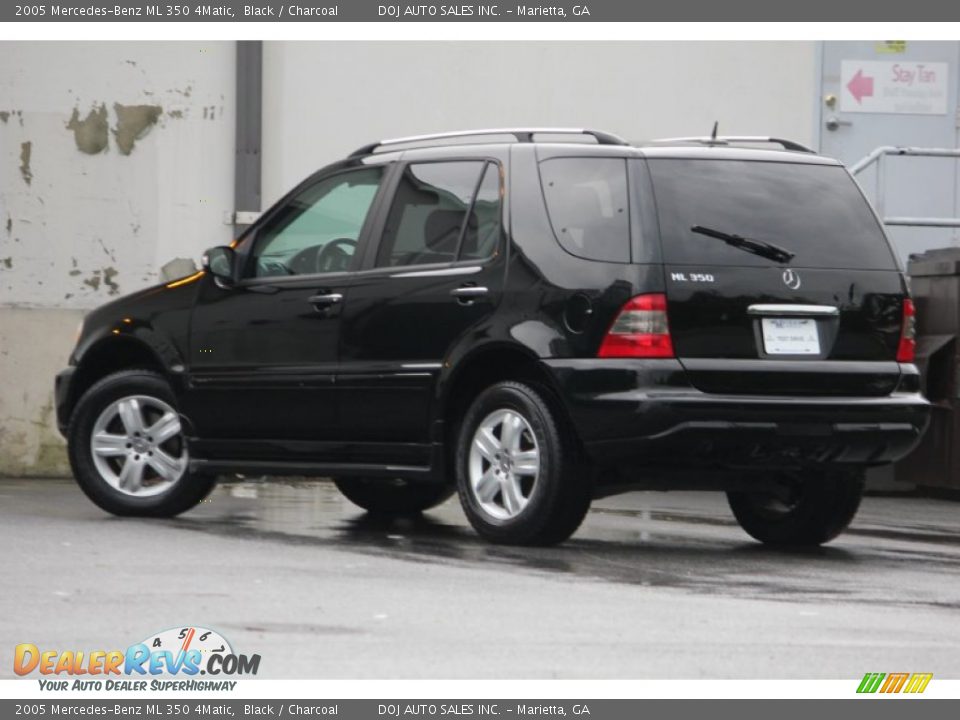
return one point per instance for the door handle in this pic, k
(469, 291)
(328, 299)
(833, 123)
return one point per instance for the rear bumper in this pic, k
(646, 412)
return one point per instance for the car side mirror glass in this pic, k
(221, 262)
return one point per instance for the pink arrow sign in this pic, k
(860, 86)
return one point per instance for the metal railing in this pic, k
(878, 157)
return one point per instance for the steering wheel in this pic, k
(330, 257)
(333, 257)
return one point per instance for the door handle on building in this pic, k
(833, 123)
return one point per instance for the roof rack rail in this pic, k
(743, 139)
(523, 135)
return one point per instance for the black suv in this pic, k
(532, 318)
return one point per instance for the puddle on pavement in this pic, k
(893, 556)
(690, 550)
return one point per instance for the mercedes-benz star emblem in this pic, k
(791, 278)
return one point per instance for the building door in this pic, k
(901, 93)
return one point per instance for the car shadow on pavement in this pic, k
(657, 560)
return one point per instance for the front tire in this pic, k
(519, 476)
(127, 449)
(382, 496)
(811, 511)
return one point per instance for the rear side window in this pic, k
(442, 212)
(588, 204)
(815, 212)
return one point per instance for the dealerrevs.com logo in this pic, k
(153, 664)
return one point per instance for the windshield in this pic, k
(816, 212)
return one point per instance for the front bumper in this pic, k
(645, 412)
(63, 397)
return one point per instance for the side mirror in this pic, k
(221, 262)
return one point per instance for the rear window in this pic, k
(588, 205)
(814, 211)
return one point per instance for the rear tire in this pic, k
(817, 509)
(519, 476)
(386, 496)
(140, 466)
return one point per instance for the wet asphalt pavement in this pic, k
(653, 585)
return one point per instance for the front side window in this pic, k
(318, 229)
(588, 205)
(442, 212)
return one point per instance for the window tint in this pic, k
(318, 229)
(814, 211)
(433, 211)
(588, 206)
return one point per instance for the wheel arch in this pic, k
(483, 366)
(109, 355)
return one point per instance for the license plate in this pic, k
(790, 336)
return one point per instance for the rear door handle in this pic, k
(328, 299)
(469, 291)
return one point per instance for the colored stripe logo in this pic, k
(888, 683)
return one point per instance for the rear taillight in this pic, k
(640, 330)
(907, 351)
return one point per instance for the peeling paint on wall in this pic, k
(90, 134)
(108, 275)
(103, 277)
(106, 250)
(133, 122)
(26, 149)
(93, 281)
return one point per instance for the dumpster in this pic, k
(935, 284)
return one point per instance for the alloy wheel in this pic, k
(504, 464)
(138, 447)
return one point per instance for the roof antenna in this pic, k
(713, 135)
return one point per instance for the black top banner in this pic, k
(828, 11)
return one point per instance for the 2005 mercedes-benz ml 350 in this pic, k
(532, 318)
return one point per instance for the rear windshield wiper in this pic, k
(757, 247)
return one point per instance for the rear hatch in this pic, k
(779, 278)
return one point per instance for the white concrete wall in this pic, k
(82, 221)
(34, 345)
(88, 226)
(322, 100)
